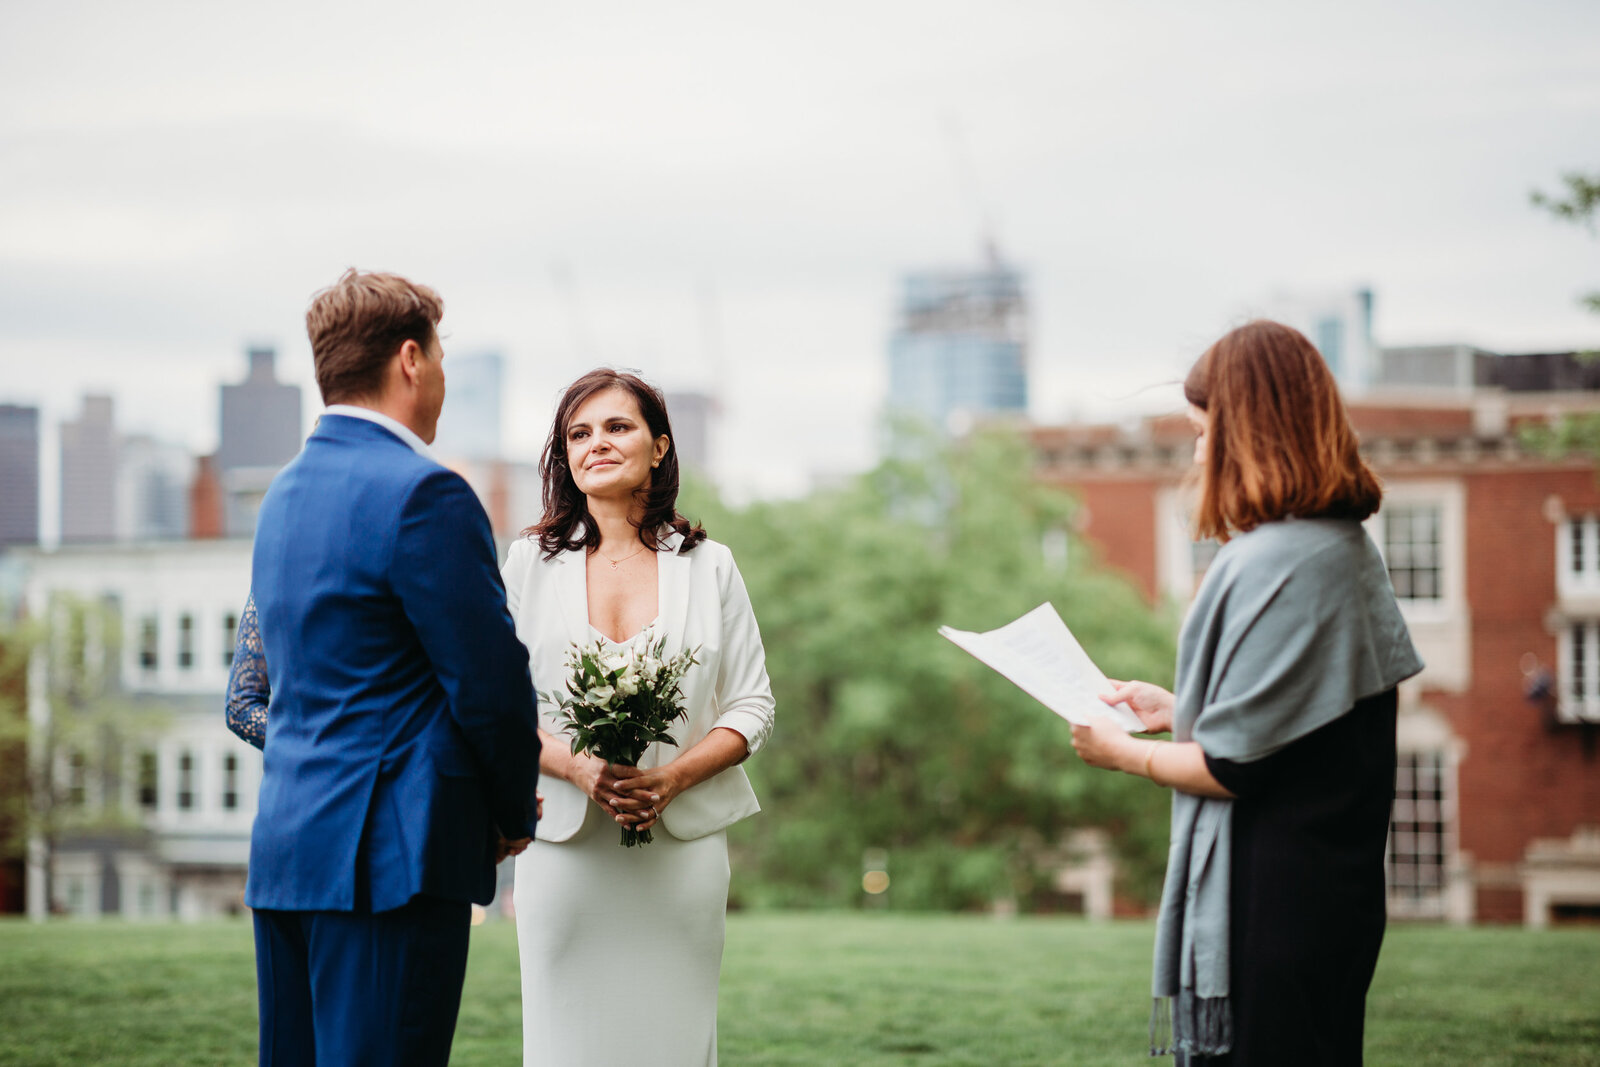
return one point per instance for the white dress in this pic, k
(621, 948)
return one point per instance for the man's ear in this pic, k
(411, 355)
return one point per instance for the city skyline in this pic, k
(726, 197)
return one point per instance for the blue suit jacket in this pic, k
(402, 725)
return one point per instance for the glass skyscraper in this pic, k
(960, 348)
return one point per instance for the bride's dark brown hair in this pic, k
(565, 525)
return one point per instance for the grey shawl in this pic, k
(1294, 623)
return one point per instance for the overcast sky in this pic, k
(725, 194)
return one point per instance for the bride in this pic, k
(630, 937)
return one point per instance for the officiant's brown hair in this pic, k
(358, 323)
(1280, 442)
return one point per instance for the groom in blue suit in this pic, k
(402, 752)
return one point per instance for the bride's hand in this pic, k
(611, 785)
(1151, 703)
(646, 794)
(598, 780)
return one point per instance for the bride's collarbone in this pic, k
(622, 600)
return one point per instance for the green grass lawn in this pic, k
(809, 989)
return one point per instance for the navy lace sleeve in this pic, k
(247, 685)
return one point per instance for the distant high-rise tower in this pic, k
(469, 425)
(691, 413)
(89, 471)
(260, 432)
(961, 347)
(1340, 325)
(153, 484)
(19, 475)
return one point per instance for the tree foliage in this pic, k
(1572, 433)
(891, 738)
(1580, 205)
(71, 764)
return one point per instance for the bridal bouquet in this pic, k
(621, 700)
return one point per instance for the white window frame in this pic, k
(230, 637)
(1421, 731)
(186, 782)
(185, 655)
(1418, 898)
(230, 776)
(1450, 499)
(1571, 707)
(1584, 581)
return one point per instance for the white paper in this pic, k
(1041, 656)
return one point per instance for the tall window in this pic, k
(77, 779)
(186, 781)
(186, 641)
(230, 783)
(149, 781)
(149, 642)
(1578, 554)
(1411, 549)
(230, 634)
(1580, 671)
(1418, 831)
(77, 893)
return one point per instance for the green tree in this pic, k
(889, 737)
(1580, 205)
(71, 763)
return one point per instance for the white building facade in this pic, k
(185, 786)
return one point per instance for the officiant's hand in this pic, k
(1151, 703)
(1104, 744)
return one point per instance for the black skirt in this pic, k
(1306, 907)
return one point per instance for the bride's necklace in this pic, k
(615, 563)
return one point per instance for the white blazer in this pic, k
(703, 603)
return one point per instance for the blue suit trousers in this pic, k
(358, 989)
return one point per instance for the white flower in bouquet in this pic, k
(621, 701)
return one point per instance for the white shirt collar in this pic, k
(394, 426)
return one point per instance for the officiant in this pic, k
(1282, 756)
(633, 935)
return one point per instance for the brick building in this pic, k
(1494, 549)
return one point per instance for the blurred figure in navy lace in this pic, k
(248, 692)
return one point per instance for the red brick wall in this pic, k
(1121, 521)
(1372, 421)
(205, 501)
(1518, 780)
